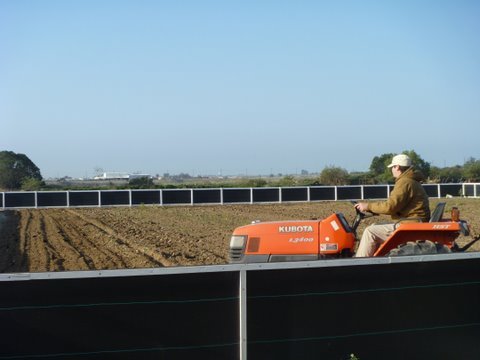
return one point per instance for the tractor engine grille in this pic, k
(236, 254)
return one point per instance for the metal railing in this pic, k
(217, 196)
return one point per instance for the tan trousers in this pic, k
(373, 236)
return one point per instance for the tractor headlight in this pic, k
(238, 241)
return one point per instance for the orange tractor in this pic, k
(333, 237)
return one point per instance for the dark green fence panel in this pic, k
(179, 317)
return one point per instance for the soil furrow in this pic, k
(72, 255)
(135, 249)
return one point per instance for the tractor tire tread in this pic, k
(419, 247)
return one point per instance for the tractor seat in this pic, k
(438, 212)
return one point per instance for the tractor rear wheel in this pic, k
(419, 247)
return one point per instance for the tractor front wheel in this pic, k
(419, 247)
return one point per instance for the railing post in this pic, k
(243, 314)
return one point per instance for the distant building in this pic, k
(121, 176)
(112, 176)
(138, 176)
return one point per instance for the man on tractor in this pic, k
(408, 202)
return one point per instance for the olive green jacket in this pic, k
(408, 199)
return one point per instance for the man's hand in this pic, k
(361, 206)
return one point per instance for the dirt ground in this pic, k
(34, 240)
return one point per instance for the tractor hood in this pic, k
(279, 228)
(291, 240)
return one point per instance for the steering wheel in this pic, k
(360, 214)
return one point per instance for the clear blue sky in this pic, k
(237, 87)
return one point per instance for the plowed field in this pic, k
(142, 237)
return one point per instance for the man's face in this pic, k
(396, 171)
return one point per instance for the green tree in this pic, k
(31, 184)
(143, 182)
(255, 183)
(332, 175)
(379, 164)
(445, 175)
(379, 170)
(15, 169)
(361, 178)
(471, 170)
(418, 162)
(434, 174)
(288, 180)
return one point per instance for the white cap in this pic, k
(401, 160)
